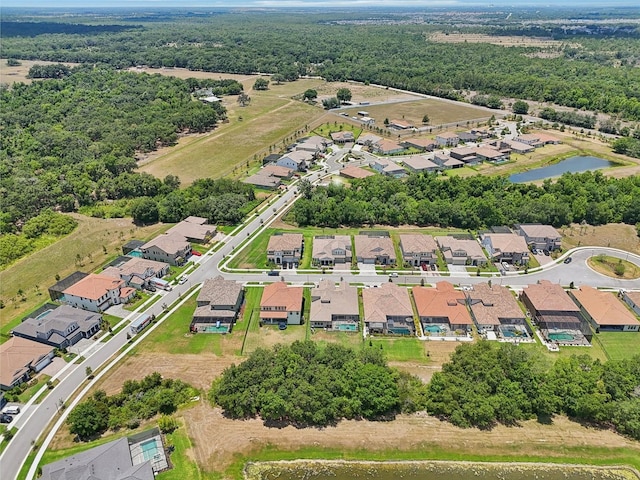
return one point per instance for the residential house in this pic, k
(419, 163)
(400, 125)
(314, 144)
(519, 147)
(367, 120)
(418, 249)
(493, 307)
(547, 139)
(538, 236)
(467, 137)
(335, 307)
(368, 140)
(342, 137)
(422, 144)
(263, 180)
(97, 292)
(172, 249)
(388, 310)
(277, 171)
(281, 304)
(461, 251)
(506, 247)
(136, 271)
(298, 160)
(272, 158)
(447, 139)
(355, 172)
(446, 162)
(60, 327)
(557, 316)
(488, 154)
(285, 248)
(109, 461)
(467, 155)
(387, 147)
(56, 292)
(604, 311)
(387, 167)
(481, 132)
(218, 305)
(19, 358)
(373, 249)
(443, 306)
(194, 229)
(329, 250)
(530, 139)
(632, 299)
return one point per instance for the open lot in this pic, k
(19, 73)
(620, 345)
(615, 235)
(503, 40)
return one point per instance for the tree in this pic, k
(244, 99)
(167, 424)
(277, 78)
(425, 119)
(144, 211)
(88, 419)
(88, 372)
(343, 95)
(329, 103)
(261, 84)
(310, 94)
(520, 107)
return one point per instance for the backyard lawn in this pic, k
(620, 345)
(404, 349)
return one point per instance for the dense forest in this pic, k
(70, 142)
(592, 70)
(470, 203)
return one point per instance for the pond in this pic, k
(429, 470)
(573, 165)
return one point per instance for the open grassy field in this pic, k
(502, 40)
(615, 235)
(408, 349)
(620, 345)
(19, 73)
(35, 273)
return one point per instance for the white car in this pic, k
(182, 280)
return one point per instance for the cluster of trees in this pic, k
(224, 86)
(470, 203)
(314, 44)
(570, 118)
(491, 101)
(57, 70)
(628, 145)
(221, 201)
(136, 402)
(307, 384)
(71, 142)
(486, 383)
(32, 29)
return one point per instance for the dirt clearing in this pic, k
(505, 41)
(615, 235)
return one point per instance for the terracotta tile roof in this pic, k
(442, 301)
(604, 307)
(94, 286)
(388, 300)
(279, 294)
(355, 172)
(634, 297)
(417, 243)
(286, 241)
(17, 354)
(549, 297)
(491, 303)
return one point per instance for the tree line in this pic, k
(469, 203)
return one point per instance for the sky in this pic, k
(149, 4)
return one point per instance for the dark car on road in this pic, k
(272, 273)
(567, 260)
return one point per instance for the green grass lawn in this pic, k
(400, 349)
(138, 300)
(25, 396)
(254, 253)
(595, 351)
(326, 129)
(183, 466)
(619, 345)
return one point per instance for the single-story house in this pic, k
(264, 180)
(315, 144)
(493, 306)
(632, 299)
(335, 307)
(604, 311)
(447, 139)
(218, 304)
(400, 125)
(329, 250)
(445, 162)
(368, 139)
(530, 139)
(97, 292)
(277, 171)
(298, 160)
(544, 237)
(423, 144)
(547, 139)
(172, 249)
(388, 310)
(387, 147)
(418, 249)
(355, 172)
(442, 306)
(519, 147)
(19, 357)
(281, 303)
(506, 247)
(375, 249)
(387, 167)
(60, 327)
(194, 229)
(488, 154)
(285, 248)
(419, 163)
(460, 251)
(342, 137)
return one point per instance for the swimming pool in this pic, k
(433, 329)
(215, 329)
(561, 337)
(347, 328)
(149, 449)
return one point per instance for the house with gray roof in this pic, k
(218, 304)
(544, 237)
(335, 307)
(172, 249)
(61, 327)
(374, 249)
(461, 251)
(418, 249)
(419, 163)
(285, 248)
(194, 229)
(329, 250)
(388, 310)
(298, 160)
(136, 271)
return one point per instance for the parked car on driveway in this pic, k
(5, 418)
(424, 267)
(196, 253)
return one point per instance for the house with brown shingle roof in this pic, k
(544, 237)
(506, 247)
(19, 357)
(488, 154)
(419, 163)
(387, 147)
(423, 144)
(418, 249)
(554, 312)
(442, 306)
(335, 307)
(493, 306)
(604, 311)
(218, 304)
(194, 229)
(400, 125)
(372, 249)
(285, 248)
(467, 155)
(136, 272)
(329, 250)
(388, 310)
(461, 251)
(281, 303)
(97, 292)
(342, 137)
(355, 172)
(368, 139)
(173, 249)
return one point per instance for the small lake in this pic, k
(573, 165)
(346, 470)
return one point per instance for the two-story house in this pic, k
(329, 250)
(97, 292)
(372, 249)
(506, 247)
(543, 237)
(281, 303)
(285, 248)
(388, 310)
(172, 249)
(218, 305)
(418, 249)
(298, 160)
(442, 310)
(335, 307)
(461, 251)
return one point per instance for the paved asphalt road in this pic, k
(34, 419)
